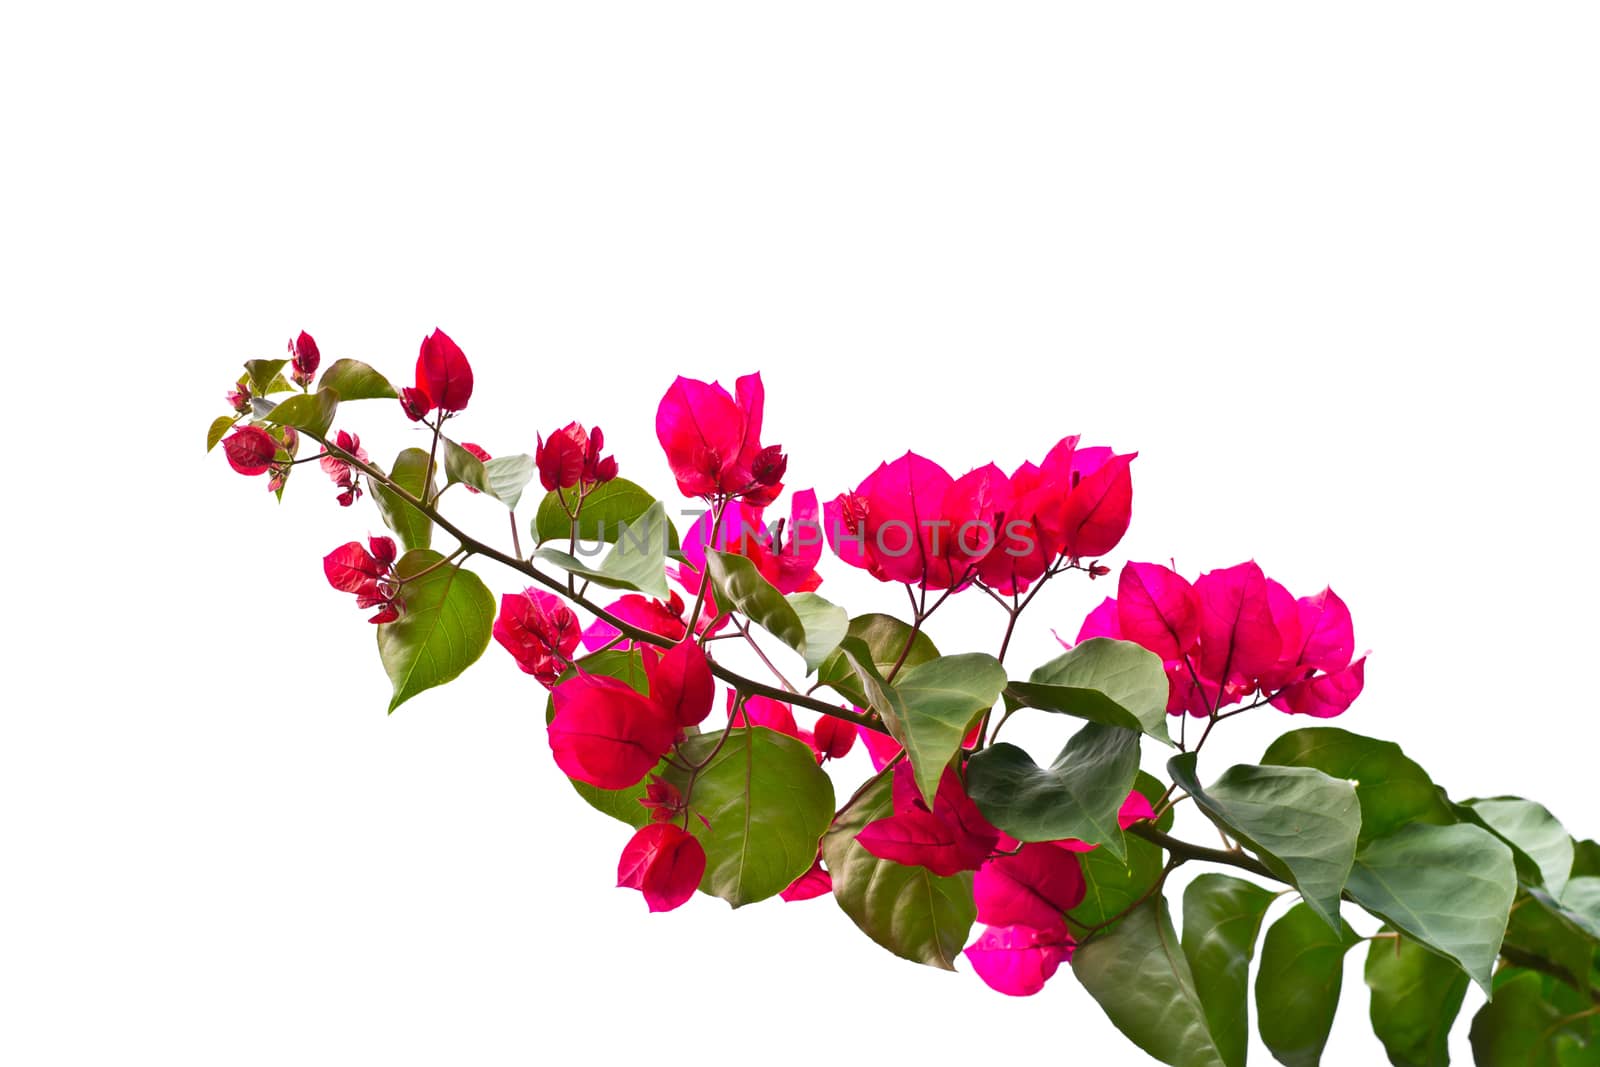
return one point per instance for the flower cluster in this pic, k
(539, 631)
(345, 477)
(443, 381)
(713, 441)
(571, 459)
(1234, 633)
(368, 572)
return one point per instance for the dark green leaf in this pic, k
(1077, 796)
(414, 529)
(1581, 901)
(1586, 859)
(1531, 828)
(1416, 996)
(443, 628)
(1112, 682)
(508, 476)
(1532, 1022)
(311, 412)
(910, 911)
(219, 426)
(1221, 918)
(1138, 974)
(768, 805)
(607, 508)
(637, 561)
(1111, 885)
(884, 637)
(354, 380)
(1541, 927)
(1393, 791)
(260, 374)
(1295, 818)
(942, 699)
(1449, 887)
(1297, 987)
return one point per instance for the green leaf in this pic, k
(1221, 918)
(462, 466)
(942, 699)
(1297, 987)
(768, 805)
(1139, 975)
(1296, 819)
(1531, 828)
(311, 412)
(1533, 1022)
(354, 380)
(741, 588)
(1079, 795)
(442, 630)
(261, 373)
(1586, 859)
(1416, 996)
(219, 426)
(1112, 885)
(883, 637)
(1116, 683)
(621, 804)
(606, 509)
(508, 476)
(637, 561)
(1541, 927)
(410, 472)
(910, 911)
(1449, 887)
(1393, 791)
(1581, 901)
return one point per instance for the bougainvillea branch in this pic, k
(1065, 861)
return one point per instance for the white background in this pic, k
(1332, 271)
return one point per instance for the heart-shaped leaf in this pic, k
(1112, 682)
(1077, 796)
(1531, 828)
(311, 412)
(354, 380)
(443, 628)
(1393, 790)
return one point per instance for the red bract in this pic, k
(814, 883)
(1018, 960)
(791, 568)
(1237, 634)
(953, 836)
(539, 631)
(881, 748)
(1158, 609)
(443, 373)
(571, 457)
(1036, 886)
(665, 863)
(1099, 502)
(250, 450)
(664, 618)
(605, 732)
(305, 358)
(369, 574)
(415, 403)
(680, 682)
(713, 440)
(344, 476)
(833, 738)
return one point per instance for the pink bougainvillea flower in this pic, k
(665, 863)
(713, 440)
(1034, 886)
(1098, 504)
(743, 531)
(775, 715)
(911, 522)
(680, 682)
(571, 457)
(250, 450)
(305, 357)
(1018, 960)
(1325, 695)
(443, 373)
(662, 800)
(1158, 609)
(953, 836)
(343, 475)
(368, 572)
(1238, 638)
(539, 631)
(606, 733)
(833, 738)
(415, 403)
(814, 883)
(663, 617)
(1104, 621)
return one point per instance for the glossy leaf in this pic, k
(219, 428)
(311, 412)
(1532, 1021)
(1449, 887)
(910, 911)
(410, 472)
(1221, 918)
(637, 561)
(1077, 796)
(1531, 828)
(1297, 987)
(1294, 818)
(443, 629)
(768, 805)
(1138, 974)
(354, 380)
(883, 637)
(942, 699)
(607, 508)
(261, 374)
(1416, 996)
(508, 476)
(1393, 790)
(1112, 682)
